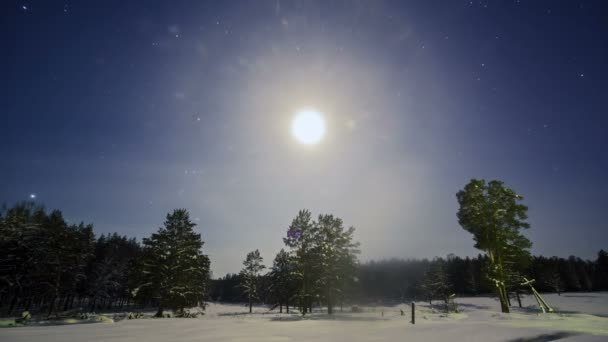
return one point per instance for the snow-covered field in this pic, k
(580, 317)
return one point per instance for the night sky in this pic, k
(120, 111)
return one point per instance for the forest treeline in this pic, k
(48, 265)
(398, 280)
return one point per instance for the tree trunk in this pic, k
(518, 298)
(330, 309)
(52, 306)
(496, 261)
(65, 303)
(159, 313)
(280, 307)
(12, 305)
(287, 304)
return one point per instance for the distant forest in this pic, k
(48, 265)
(398, 280)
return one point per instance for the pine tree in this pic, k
(337, 251)
(436, 283)
(250, 273)
(600, 273)
(176, 272)
(553, 280)
(493, 214)
(109, 279)
(300, 240)
(21, 258)
(282, 276)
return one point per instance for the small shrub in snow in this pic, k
(25, 316)
(135, 315)
(104, 319)
(187, 314)
(356, 308)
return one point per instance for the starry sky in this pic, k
(117, 112)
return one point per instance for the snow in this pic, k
(579, 317)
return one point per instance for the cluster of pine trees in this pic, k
(48, 265)
(319, 268)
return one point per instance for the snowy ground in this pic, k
(581, 317)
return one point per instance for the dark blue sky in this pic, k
(118, 112)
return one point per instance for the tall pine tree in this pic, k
(337, 251)
(176, 272)
(282, 276)
(300, 239)
(493, 214)
(253, 266)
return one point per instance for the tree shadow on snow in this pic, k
(545, 337)
(328, 318)
(473, 306)
(579, 296)
(235, 314)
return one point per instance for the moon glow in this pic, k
(308, 127)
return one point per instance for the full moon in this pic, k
(308, 127)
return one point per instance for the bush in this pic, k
(25, 316)
(104, 319)
(135, 315)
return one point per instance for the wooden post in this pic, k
(413, 313)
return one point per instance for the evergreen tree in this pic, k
(436, 282)
(20, 242)
(493, 214)
(553, 280)
(109, 280)
(336, 251)
(250, 273)
(175, 270)
(282, 275)
(300, 239)
(600, 272)
(571, 276)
